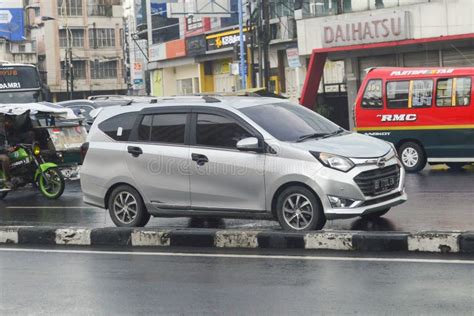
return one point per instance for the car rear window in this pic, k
(119, 127)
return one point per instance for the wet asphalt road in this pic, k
(109, 283)
(438, 200)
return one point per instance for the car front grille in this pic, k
(378, 181)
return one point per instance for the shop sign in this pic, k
(367, 29)
(176, 48)
(293, 57)
(157, 52)
(224, 39)
(196, 45)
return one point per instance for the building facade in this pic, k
(357, 35)
(81, 50)
(193, 54)
(16, 45)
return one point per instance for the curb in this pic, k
(430, 241)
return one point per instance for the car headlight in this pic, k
(334, 161)
(394, 150)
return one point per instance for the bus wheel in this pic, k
(412, 156)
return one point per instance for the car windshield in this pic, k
(19, 96)
(290, 122)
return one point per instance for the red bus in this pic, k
(427, 113)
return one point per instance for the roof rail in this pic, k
(210, 99)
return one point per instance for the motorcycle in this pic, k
(27, 166)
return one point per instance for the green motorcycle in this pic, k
(28, 167)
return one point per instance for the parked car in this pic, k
(83, 108)
(236, 157)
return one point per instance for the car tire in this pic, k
(375, 215)
(412, 156)
(298, 209)
(126, 207)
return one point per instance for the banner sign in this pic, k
(12, 24)
(224, 39)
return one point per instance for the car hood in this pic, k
(350, 145)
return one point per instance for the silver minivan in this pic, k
(235, 157)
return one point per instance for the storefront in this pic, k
(219, 72)
(400, 37)
(173, 71)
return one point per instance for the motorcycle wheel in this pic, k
(51, 183)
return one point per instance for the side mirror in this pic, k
(249, 144)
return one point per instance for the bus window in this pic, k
(421, 93)
(373, 95)
(463, 91)
(453, 92)
(397, 94)
(444, 92)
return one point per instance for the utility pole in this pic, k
(260, 41)
(243, 47)
(266, 42)
(71, 97)
(251, 31)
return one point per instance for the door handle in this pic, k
(135, 151)
(200, 159)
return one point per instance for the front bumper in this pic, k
(337, 213)
(336, 183)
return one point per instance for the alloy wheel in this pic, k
(125, 207)
(298, 211)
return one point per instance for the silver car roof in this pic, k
(233, 102)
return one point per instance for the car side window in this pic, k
(163, 128)
(218, 131)
(119, 127)
(453, 92)
(398, 94)
(372, 98)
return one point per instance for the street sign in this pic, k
(293, 57)
(12, 20)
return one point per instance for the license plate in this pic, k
(385, 184)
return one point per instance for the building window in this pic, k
(453, 92)
(185, 86)
(79, 69)
(101, 38)
(397, 94)
(77, 38)
(101, 7)
(104, 70)
(69, 7)
(279, 8)
(373, 95)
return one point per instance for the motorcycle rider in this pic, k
(4, 159)
(11, 135)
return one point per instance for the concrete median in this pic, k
(443, 242)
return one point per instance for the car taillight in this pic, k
(84, 148)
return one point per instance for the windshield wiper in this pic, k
(338, 131)
(308, 136)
